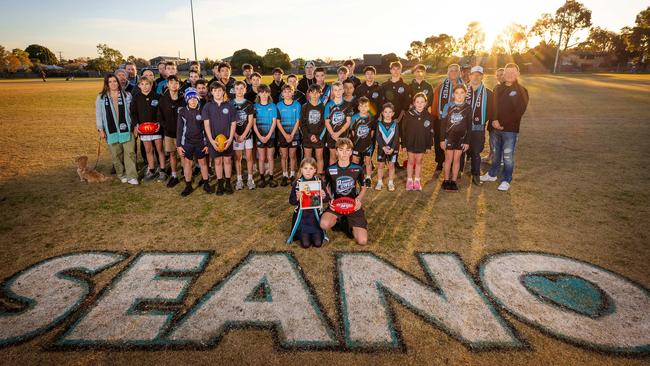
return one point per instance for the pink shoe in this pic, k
(409, 185)
(417, 186)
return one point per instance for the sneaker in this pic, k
(124, 179)
(409, 185)
(391, 186)
(251, 183)
(206, 186)
(417, 186)
(445, 185)
(272, 182)
(188, 189)
(476, 180)
(239, 185)
(504, 186)
(133, 182)
(262, 181)
(220, 189)
(172, 182)
(379, 185)
(162, 176)
(488, 178)
(367, 182)
(284, 181)
(149, 176)
(453, 186)
(228, 187)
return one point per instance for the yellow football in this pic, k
(221, 142)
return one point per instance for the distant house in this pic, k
(156, 60)
(576, 60)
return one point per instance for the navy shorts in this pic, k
(265, 145)
(292, 144)
(362, 154)
(307, 144)
(194, 151)
(216, 154)
(383, 158)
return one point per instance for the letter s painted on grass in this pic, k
(48, 293)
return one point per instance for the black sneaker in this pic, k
(476, 180)
(228, 188)
(172, 182)
(206, 186)
(367, 182)
(284, 181)
(453, 186)
(220, 189)
(445, 185)
(272, 182)
(262, 183)
(188, 189)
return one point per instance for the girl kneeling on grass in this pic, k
(454, 136)
(306, 223)
(417, 139)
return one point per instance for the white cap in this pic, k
(476, 69)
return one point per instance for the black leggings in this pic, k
(311, 240)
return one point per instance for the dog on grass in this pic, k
(87, 174)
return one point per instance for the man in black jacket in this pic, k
(511, 102)
(481, 101)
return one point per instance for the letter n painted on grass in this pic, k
(454, 304)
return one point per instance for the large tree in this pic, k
(599, 40)
(41, 53)
(138, 61)
(17, 60)
(546, 28)
(274, 57)
(513, 39)
(434, 50)
(638, 39)
(109, 59)
(473, 41)
(571, 17)
(246, 56)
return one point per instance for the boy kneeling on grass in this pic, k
(191, 141)
(341, 180)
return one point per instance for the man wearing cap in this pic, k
(442, 95)
(481, 101)
(308, 79)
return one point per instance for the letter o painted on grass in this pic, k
(572, 300)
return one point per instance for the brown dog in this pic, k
(88, 174)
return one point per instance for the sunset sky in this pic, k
(337, 28)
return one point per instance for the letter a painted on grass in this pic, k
(49, 295)
(454, 303)
(266, 290)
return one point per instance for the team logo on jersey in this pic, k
(154, 103)
(455, 118)
(513, 93)
(198, 117)
(363, 131)
(241, 117)
(224, 111)
(333, 171)
(313, 117)
(400, 90)
(375, 95)
(344, 185)
(427, 123)
(337, 118)
(232, 91)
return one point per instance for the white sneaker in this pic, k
(504, 186)
(488, 178)
(124, 179)
(133, 181)
(239, 185)
(379, 186)
(251, 183)
(391, 186)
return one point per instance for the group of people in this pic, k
(337, 128)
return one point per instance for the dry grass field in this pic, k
(580, 189)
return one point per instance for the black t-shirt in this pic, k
(168, 113)
(373, 93)
(423, 87)
(242, 111)
(342, 181)
(362, 128)
(144, 108)
(276, 90)
(312, 120)
(230, 86)
(396, 93)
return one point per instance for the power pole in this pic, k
(193, 33)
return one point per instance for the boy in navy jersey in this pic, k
(266, 114)
(363, 138)
(220, 118)
(243, 142)
(319, 75)
(394, 90)
(191, 142)
(337, 119)
(312, 127)
(341, 180)
(223, 75)
(289, 115)
(371, 90)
